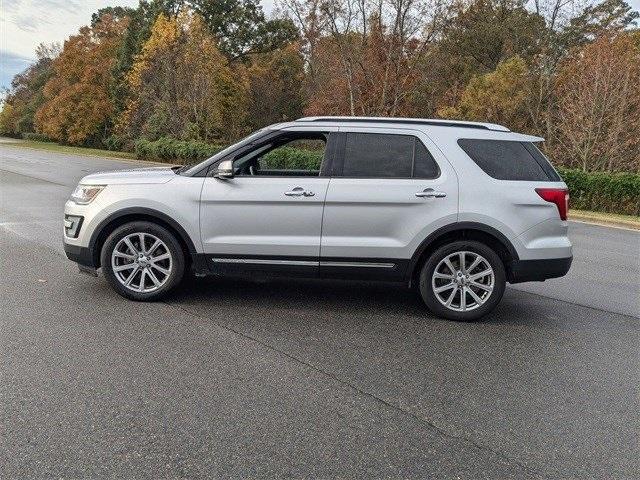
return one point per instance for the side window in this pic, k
(300, 154)
(289, 155)
(387, 156)
(424, 165)
(509, 160)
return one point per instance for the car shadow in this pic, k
(336, 296)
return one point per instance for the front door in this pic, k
(390, 189)
(268, 217)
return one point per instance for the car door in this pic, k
(390, 188)
(264, 219)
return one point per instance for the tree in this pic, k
(475, 39)
(275, 82)
(26, 94)
(596, 20)
(8, 121)
(140, 22)
(598, 116)
(500, 96)
(363, 52)
(77, 106)
(241, 28)
(182, 86)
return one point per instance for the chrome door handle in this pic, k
(299, 192)
(430, 193)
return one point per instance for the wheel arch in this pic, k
(463, 231)
(132, 214)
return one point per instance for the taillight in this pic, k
(559, 196)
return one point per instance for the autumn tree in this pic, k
(275, 87)
(476, 37)
(363, 52)
(77, 106)
(500, 96)
(598, 116)
(182, 86)
(8, 121)
(26, 94)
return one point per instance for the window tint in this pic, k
(508, 160)
(387, 156)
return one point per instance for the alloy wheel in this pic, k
(463, 281)
(141, 262)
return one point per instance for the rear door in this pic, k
(390, 188)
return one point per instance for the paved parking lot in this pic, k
(291, 378)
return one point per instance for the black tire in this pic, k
(177, 260)
(493, 298)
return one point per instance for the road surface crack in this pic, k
(360, 391)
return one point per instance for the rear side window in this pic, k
(387, 156)
(509, 160)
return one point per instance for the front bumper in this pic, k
(538, 270)
(81, 255)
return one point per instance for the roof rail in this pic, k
(414, 121)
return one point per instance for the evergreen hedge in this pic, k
(603, 191)
(172, 150)
(36, 137)
(293, 159)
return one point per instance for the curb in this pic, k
(604, 222)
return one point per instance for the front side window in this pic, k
(374, 155)
(289, 155)
(509, 160)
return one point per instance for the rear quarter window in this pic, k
(509, 160)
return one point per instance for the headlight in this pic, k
(84, 194)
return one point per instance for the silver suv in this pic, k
(454, 209)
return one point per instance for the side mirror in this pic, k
(225, 170)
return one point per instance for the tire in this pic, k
(157, 270)
(482, 290)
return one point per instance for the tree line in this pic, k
(211, 71)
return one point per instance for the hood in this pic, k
(134, 175)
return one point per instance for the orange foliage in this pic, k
(598, 116)
(77, 104)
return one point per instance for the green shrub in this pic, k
(171, 150)
(36, 137)
(293, 159)
(114, 143)
(603, 192)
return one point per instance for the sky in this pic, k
(26, 23)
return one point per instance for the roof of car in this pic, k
(406, 121)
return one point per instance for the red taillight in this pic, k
(559, 196)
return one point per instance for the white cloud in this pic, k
(26, 23)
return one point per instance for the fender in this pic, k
(184, 236)
(459, 226)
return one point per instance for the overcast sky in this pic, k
(26, 23)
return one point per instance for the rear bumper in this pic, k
(80, 255)
(538, 270)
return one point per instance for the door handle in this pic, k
(299, 192)
(430, 193)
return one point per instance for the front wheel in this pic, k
(462, 281)
(142, 261)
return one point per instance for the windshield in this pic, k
(192, 169)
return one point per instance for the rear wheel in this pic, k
(462, 281)
(142, 261)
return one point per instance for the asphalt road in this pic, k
(242, 379)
